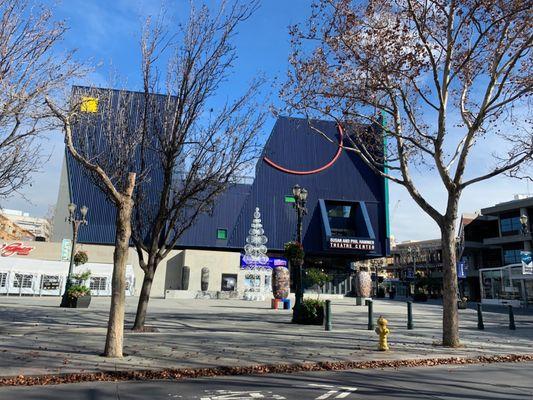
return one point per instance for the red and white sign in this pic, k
(18, 248)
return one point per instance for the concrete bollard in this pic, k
(370, 305)
(480, 324)
(512, 326)
(328, 315)
(409, 315)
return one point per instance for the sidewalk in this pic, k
(37, 337)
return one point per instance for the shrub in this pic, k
(311, 312)
(315, 276)
(75, 291)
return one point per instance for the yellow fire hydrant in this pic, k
(383, 332)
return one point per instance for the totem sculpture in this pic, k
(205, 279)
(363, 283)
(281, 282)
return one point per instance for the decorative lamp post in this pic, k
(76, 221)
(300, 199)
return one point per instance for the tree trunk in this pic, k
(144, 297)
(115, 327)
(450, 320)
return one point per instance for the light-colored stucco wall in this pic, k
(168, 273)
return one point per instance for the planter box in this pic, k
(79, 302)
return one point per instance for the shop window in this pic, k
(50, 282)
(510, 226)
(23, 281)
(98, 283)
(229, 282)
(222, 234)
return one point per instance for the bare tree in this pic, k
(193, 149)
(101, 136)
(31, 67)
(448, 75)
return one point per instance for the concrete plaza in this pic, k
(37, 337)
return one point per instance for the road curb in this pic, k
(184, 373)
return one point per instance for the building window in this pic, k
(229, 282)
(50, 282)
(511, 256)
(3, 279)
(510, 226)
(98, 283)
(23, 281)
(222, 234)
(341, 219)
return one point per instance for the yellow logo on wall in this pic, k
(89, 104)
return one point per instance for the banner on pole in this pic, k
(527, 262)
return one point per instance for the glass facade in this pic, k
(510, 225)
(511, 256)
(341, 219)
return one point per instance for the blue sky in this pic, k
(106, 33)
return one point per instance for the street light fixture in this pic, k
(300, 199)
(76, 221)
(523, 222)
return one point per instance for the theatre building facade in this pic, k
(346, 221)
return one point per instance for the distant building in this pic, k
(9, 231)
(39, 227)
(492, 242)
(412, 259)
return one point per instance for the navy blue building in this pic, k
(347, 203)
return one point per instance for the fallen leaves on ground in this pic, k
(182, 373)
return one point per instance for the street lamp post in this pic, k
(300, 199)
(76, 222)
(525, 230)
(523, 222)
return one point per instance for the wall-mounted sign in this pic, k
(17, 248)
(527, 262)
(354, 244)
(272, 263)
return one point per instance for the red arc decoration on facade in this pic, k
(8, 250)
(313, 171)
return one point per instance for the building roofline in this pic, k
(508, 206)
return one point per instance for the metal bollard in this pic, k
(328, 315)
(512, 326)
(480, 325)
(370, 303)
(409, 315)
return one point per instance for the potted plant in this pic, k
(311, 312)
(294, 252)
(79, 295)
(80, 258)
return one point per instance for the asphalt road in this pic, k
(473, 382)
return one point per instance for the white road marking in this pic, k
(327, 395)
(339, 392)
